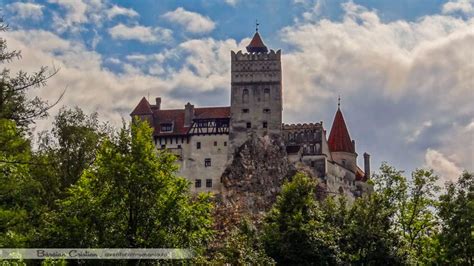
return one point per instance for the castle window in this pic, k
(265, 124)
(245, 96)
(198, 145)
(312, 164)
(266, 110)
(208, 182)
(266, 95)
(225, 143)
(163, 146)
(215, 143)
(207, 162)
(197, 183)
(344, 162)
(245, 110)
(166, 127)
(249, 125)
(179, 146)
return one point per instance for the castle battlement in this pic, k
(242, 56)
(300, 126)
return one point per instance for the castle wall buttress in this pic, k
(256, 96)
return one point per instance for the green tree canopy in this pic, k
(131, 197)
(294, 231)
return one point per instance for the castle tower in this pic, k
(340, 144)
(256, 93)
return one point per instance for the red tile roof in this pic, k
(176, 116)
(256, 45)
(360, 175)
(143, 108)
(339, 139)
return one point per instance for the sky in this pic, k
(404, 69)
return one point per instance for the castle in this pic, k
(205, 138)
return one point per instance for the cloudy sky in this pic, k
(404, 69)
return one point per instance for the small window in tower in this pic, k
(313, 164)
(207, 162)
(208, 182)
(163, 146)
(266, 95)
(265, 124)
(215, 143)
(245, 96)
(245, 110)
(198, 145)
(197, 183)
(344, 162)
(225, 143)
(266, 110)
(249, 125)
(179, 146)
(166, 127)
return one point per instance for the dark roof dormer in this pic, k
(257, 45)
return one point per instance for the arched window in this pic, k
(266, 95)
(245, 96)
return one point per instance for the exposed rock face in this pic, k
(254, 178)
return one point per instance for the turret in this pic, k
(340, 144)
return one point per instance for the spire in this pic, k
(339, 139)
(256, 45)
(143, 108)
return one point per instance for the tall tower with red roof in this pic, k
(340, 144)
(256, 92)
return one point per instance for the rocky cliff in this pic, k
(253, 180)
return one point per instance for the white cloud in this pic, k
(75, 14)
(193, 22)
(446, 169)
(141, 33)
(231, 2)
(463, 6)
(79, 12)
(120, 11)
(26, 11)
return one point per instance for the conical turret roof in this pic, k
(256, 45)
(339, 139)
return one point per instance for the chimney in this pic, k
(188, 114)
(367, 165)
(354, 145)
(158, 103)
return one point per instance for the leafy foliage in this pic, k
(456, 210)
(294, 231)
(130, 197)
(242, 247)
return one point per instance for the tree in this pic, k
(67, 150)
(294, 231)
(130, 197)
(14, 103)
(19, 193)
(456, 210)
(242, 247)
(416, 219)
